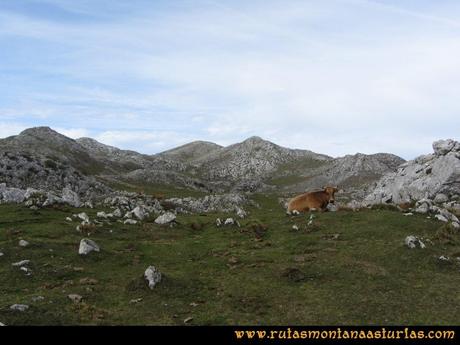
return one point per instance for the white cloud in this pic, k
(73, 133)
(144, 141)
(10, 128)
(336, 77)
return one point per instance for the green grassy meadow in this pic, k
(346, 268)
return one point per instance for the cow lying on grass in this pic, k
(313, 200)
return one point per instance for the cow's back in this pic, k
(307, 201)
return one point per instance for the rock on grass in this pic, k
(414, 242)
(87, 246)
(165, 218)
(153, 276)
(19, 307)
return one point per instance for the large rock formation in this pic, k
(433, 176)
(353, 174)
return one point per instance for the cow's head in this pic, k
(330, 191)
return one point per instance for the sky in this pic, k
(335, 76)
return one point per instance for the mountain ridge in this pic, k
(254, 164)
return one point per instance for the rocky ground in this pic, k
(91, 234)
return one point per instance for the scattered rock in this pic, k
(102, 214)
(19, 307)
(229, 221)
(354, 205)
(332, 207)
(11, 195)
(441, 218)
(331, 237)
(130, 222)
(210, 203)
(70, 197)
(233, 260)
(140, 212)
(414, 242)
(21, 263)
(117, 213)
(26, 270)
(408, 214)
(450, 216)
(23, 243)
(84, 217)
(444, 258)
(166, 218)
(153, 276)
(295, 227)
(136, 300)
(423, 208)
(218, 222)
(88, 281)
(241, 213)
(188, 320)
(87, 246)
(37, 298)
(75, 298)
(68, 219)
(440, 198)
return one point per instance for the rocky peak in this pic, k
(39, 132)
(253, 158)
(191, 152)
(42, 136)
(255, 140)
(46, 143)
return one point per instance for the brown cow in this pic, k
(313, 200)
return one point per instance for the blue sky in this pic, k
(334, 76)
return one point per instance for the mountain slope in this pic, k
(47, 143)
(123, 161)
(191, 152)
(253, 158)
(41, 157)
(353, 174)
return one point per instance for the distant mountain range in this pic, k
(43, 158)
